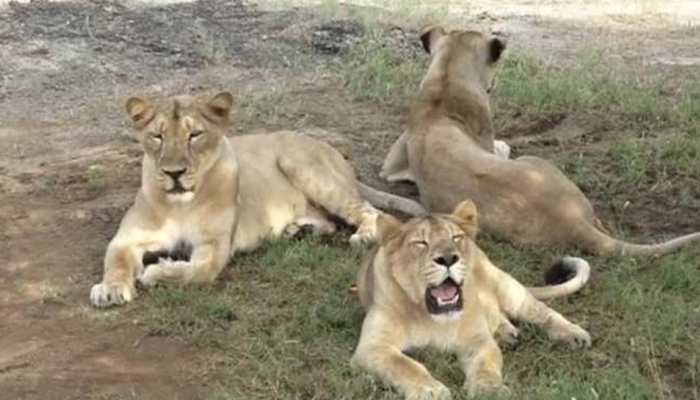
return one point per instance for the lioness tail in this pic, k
(559, 272)
(598, 242)
(390, 201)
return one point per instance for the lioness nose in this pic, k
(446, 260)
(175, 174)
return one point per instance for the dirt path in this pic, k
(68, 169)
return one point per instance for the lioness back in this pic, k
(449, 152)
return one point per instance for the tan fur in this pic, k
(234, 193)
(393, 286)
(448, 152)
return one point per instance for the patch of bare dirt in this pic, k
(68, 172)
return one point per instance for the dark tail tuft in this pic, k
(559, 273)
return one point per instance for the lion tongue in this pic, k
(446, 291)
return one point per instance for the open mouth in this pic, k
(444, 298)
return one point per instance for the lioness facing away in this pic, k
(429, 284)
(448, 151)
(204, 196)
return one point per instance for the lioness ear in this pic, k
(429, 34)
(220, 106)
(466, 216)
(387, 226)
(140, 111)
(496, 47)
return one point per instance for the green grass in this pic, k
(197, 313)
(210, 48)
(597, 83)
(285, 324)
(377, 70)
(644, 162)
(96, 177)
(663, 167)
(271, 105)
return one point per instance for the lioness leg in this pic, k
(123, 259)
(117, 286)
(379, 352)
(506, 331)
(518, 303)
(328, 181)
(396, 368)
(556, 326)
(482, 368)
(207, 261)
(396, 166)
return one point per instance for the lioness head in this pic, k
(465, 55)
(431, 257)
(181, 138)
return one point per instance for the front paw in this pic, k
(432, 391)
(362, 237)
(507, 333)
(167, 271)
(573, 335)
(501, 149)
(108, 294)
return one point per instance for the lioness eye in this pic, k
(195, 134)
(158, 137)
(457, 238)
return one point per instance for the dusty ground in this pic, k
(68, 168)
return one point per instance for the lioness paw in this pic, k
(433, 391)
(501, 149)
(574, 336)
(167, 271)
(362, 237)
(309, 226)
(109, 294)
(507, 333)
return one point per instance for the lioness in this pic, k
(448, 151)
(429, 284)
(204, 196)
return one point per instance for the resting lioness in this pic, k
(448, 152)
(429, 284)
(204, 196)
